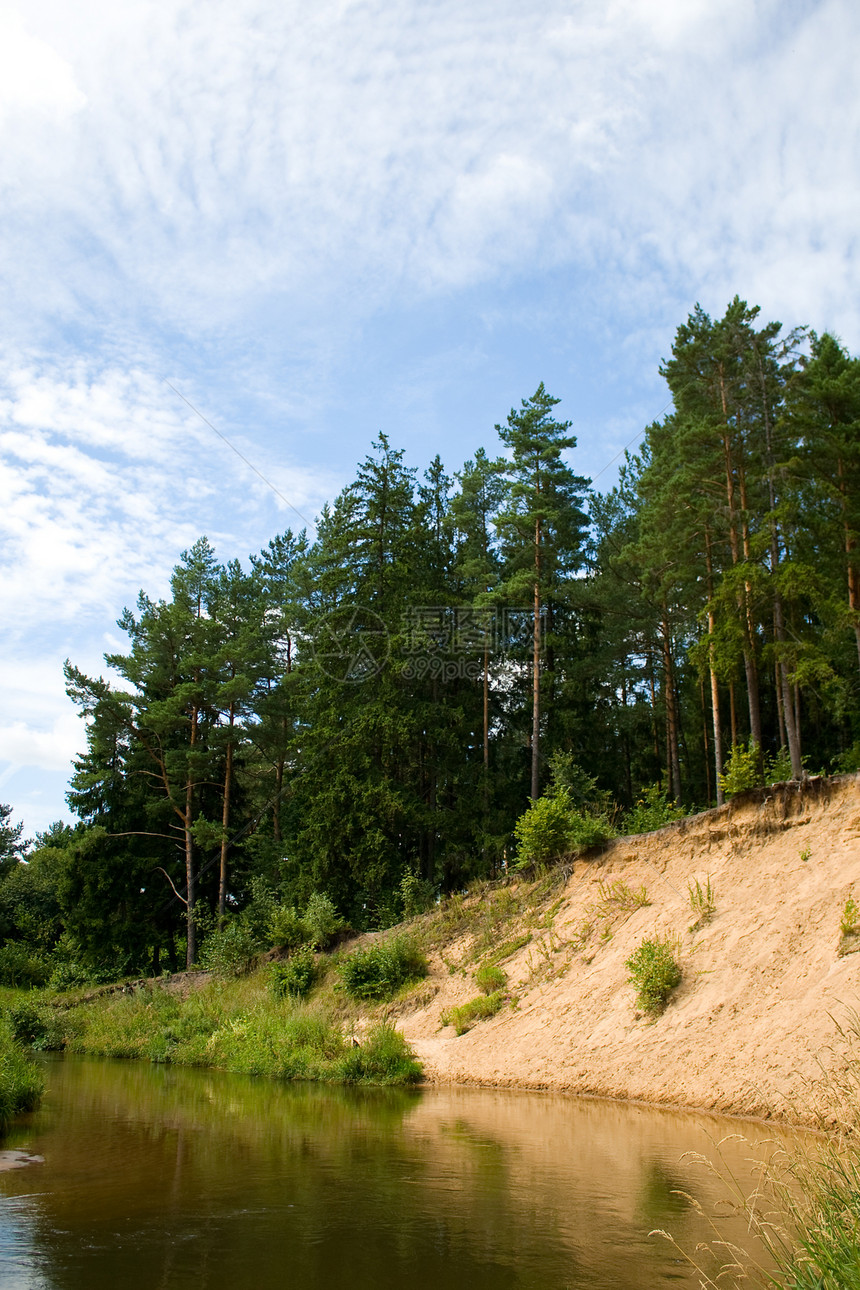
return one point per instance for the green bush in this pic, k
(230, 950)
(379, 971)
(296, 976)
(21, 965)
(553, 827)
(652, 810)
(37, 1025)
(286, 927)
(417, 894)
(464, 1016)
(322, 921)
(744, 769)
(490, 978)
(655, 973)
(545, 831)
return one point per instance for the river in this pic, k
(156, 1178)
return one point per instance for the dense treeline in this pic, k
(368, 713)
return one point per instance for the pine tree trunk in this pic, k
(673, 760)
(715, 685)
(536, 673)
(225, 824)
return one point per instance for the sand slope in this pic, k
(756, 1018)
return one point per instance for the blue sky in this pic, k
(321, 221)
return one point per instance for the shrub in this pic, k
(654, 972)
(652, 811)
(464, 1016)
(850, 917)
(20, 965)
(545, 830)
(36, 1025)
(490, 978)
(416, 893)
(702, 902)
(230, 950)
(379, 971)
(552, 827)
(322, 921)
(744, 769)
(297, 976)
(286, 927)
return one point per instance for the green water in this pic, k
(157, 1177)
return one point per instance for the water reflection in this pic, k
(157, 1177)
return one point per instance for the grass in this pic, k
(234, 1025)
(21, 1083)
(381, 970)
(619, 895)
(702, 902)
(464, 1016)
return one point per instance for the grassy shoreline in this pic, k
(21, 1082)
(234, 1025)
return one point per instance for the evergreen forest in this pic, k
(367, 713)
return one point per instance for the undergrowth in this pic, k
(233, 1025)
(21, 1082)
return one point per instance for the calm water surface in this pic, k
(157, 1177)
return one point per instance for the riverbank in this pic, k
(761, 1023)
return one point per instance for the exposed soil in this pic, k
(760, 1023)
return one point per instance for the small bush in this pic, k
(230, 950)
(654, 972)
(286, 927)
(379, 971)
(490, 978)
(653, 810)
(744, 769)
(702, 902)
(417, 894)
(463, 1017)
(37, 1025)
(297, 976)
(553, 827)
(850, 917)
(322, 921)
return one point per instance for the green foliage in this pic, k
(286, 927)
(21, 965)
(490, 978)
(848, 763)
(296, 976)
(235, 1025)
(382, 969)
(743, 769)
(21, 1082)
(464, 1016)
(552, 827)
(620, 895)
(416, 893)
(230, 950)
(38, 1025)
(652, 810)
(702, 902)
(850, 917)
(321, 920)
(655, 973)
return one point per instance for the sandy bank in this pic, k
(755, 1024)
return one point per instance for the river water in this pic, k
(156, 1177)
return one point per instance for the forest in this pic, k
(367, 713)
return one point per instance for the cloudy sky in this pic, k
(316, 221)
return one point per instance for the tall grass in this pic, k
(21, 1083)
(232, 1025)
